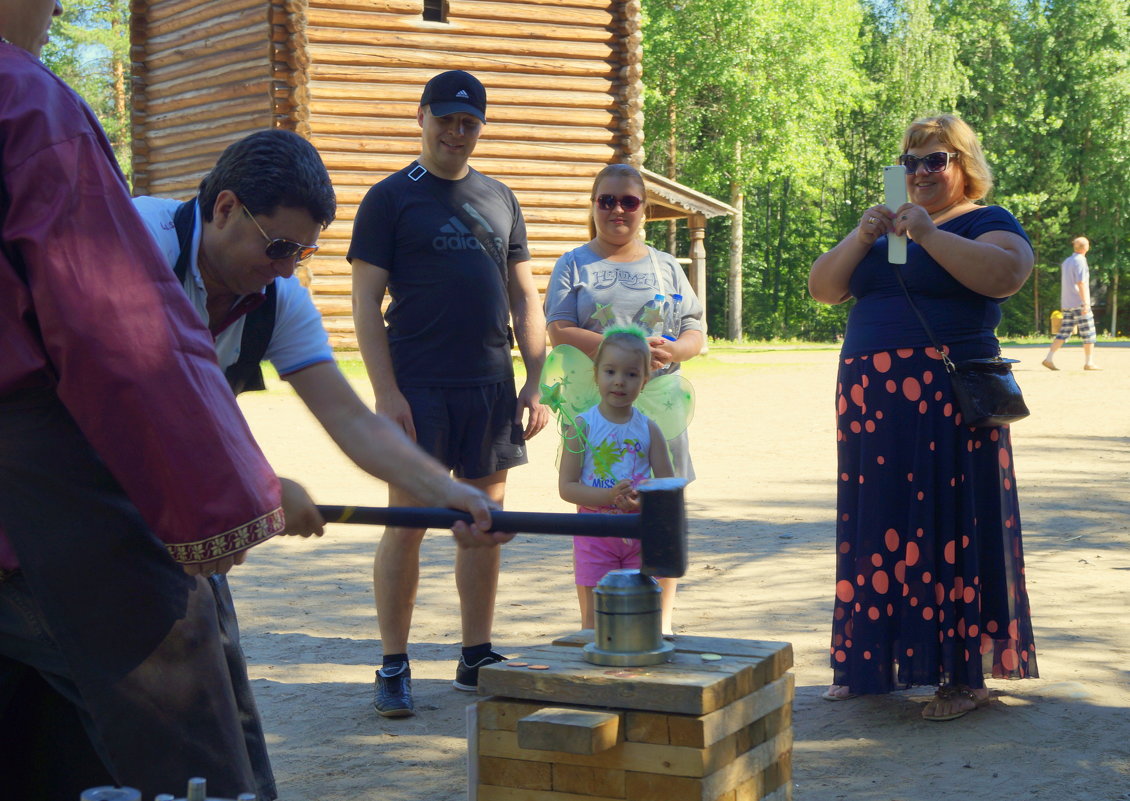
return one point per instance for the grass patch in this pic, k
(354, 369)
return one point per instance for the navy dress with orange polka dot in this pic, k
(929, 563)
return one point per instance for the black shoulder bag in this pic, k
(986, 390)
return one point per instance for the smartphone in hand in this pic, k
(894, 190)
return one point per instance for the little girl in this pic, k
(608, 451)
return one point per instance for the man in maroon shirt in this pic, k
(126, 469)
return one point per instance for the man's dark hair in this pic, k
(268, 170)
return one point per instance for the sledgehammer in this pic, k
(661, 525)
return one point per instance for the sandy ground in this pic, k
(761, 568)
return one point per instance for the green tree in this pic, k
(89, 49)
(749, 90)
(1049, 88)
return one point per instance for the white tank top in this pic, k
(615, 451)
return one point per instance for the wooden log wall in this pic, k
(563, 82)
(204, 74)
(563, 99)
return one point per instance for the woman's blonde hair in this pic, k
(955, 133)
(630, 339)
(614, 171)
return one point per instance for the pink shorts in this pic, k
(593, 557)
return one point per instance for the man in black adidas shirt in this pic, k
(449, 245)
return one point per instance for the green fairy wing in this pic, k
(669, 401)
(568, 386)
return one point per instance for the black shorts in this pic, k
(470, 429)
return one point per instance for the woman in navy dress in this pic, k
(929, 565)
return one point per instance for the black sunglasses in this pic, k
(626, 202)
(933, 162)
(280, 249)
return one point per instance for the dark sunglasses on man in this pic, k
(280, 249)
(933, 162)
(626, 202)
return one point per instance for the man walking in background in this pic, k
(1075, 303)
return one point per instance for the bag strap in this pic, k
(183, 220)
(473, 222)
(244, 374)
(660, 284)
(950, 368)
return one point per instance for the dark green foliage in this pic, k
(89, 49)
(797, 105)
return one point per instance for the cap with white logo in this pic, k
(453, 92)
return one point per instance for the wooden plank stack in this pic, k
(714, 724)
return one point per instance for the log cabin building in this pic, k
(564, 89)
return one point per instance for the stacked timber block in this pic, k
(557, 728)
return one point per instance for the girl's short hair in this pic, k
(629, 338)
(955, 133)
(614, 171)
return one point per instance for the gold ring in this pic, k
(872, 220)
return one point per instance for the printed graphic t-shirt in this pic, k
(449, 316)
(614, 452)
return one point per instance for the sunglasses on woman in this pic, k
(626, 202)
(280, 249)
(933, 162)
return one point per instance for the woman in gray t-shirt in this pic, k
(610, 280)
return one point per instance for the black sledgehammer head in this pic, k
(663, 522)
(661, 525)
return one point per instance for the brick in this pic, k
(701, 731)
(519, 773)
(487, 792)
(656, 787)
(646, 727)
(574, 731)
(750, 764)
(585, 780)
(503, 714)
(766, 728)
(752, 789)
(780, 773)
(642, 757)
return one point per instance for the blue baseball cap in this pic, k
(453, 92)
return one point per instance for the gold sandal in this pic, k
(951, 693)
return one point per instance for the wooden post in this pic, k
(697, 225)
(734, 284)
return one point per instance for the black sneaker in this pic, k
(467, 676)
(393, 698)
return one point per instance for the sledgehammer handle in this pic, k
(587, 525)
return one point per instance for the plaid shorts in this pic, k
(1075, 317)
